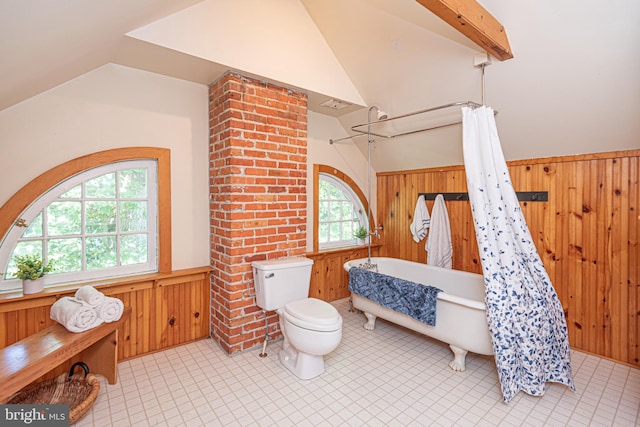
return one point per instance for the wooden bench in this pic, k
(27, 360)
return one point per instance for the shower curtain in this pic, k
(525, 317)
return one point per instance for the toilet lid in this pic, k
(314, 314)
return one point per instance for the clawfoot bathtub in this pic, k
(460, 310)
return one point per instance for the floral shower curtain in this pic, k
(525, 317)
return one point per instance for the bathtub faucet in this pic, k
(376, 231)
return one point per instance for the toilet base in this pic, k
(302, 365)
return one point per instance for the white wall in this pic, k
(343, 155)
(572, 86)
(114, 107)
(274, 39)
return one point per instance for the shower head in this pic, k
(381, 115)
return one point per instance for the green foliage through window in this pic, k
(100, 224)
(340, 213)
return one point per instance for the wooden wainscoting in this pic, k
(168, 309)
(329, 280)
(587, 235)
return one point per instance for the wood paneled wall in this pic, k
(329, 280)
(586, 234)
(168, 309)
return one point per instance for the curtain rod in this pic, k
(363, 132)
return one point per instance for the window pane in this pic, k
(134, 249)
(347, 231)
(101, 187)
(34, 229)
(335, 194)
(74, 193)
(133, 183)
(339, 213)
(335, 210)
(101, 252)
(347, 211)
(101, 217)
(323, 233)
(67, 254)
(63, 218)
(133, 216)
(323, 190)
(323, 211)
(334, 231)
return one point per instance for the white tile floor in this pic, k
(387, 377)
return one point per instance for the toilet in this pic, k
(311, 328)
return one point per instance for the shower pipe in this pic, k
(381, 115)
(367, 131)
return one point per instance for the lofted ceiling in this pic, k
(394, 54)
(47, 43)
(352, 47)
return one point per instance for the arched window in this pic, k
(340, 208)
(101, 222)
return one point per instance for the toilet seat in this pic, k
(313, 314)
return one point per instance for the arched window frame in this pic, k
(318, 170)
(10, 212)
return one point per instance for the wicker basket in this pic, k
(79, 391)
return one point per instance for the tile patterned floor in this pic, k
(387, 377)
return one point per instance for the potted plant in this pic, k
(361, 234)
(31, 270)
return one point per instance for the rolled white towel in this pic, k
(110, 310)
(90, 295)
(74, 315)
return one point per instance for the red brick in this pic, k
(256, 257)
(265, 181)
(255, 241)
(276, 189)
(266, 231)
(266, 214)
(241, 215)
(258, 168)
(256, 171)
(256, 206)
(266, 164)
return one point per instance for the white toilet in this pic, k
(311, 328)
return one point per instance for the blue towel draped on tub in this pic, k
(403, 296)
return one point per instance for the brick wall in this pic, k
(258, 201)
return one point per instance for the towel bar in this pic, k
(523, 196)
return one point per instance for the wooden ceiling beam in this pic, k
(474, 22)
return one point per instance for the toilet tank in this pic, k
(280, 281)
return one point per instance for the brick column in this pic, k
(258, 200)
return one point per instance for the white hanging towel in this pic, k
(421, 220)
(439, 240)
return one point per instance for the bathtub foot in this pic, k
(459, 356)
(370, 324)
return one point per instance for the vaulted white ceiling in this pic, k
(571, 88)
(45, 43)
